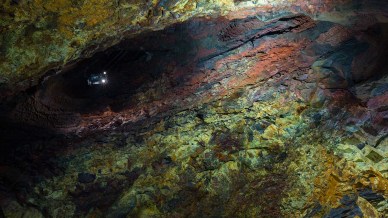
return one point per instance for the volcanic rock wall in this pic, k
(40, 35)
(271, 111)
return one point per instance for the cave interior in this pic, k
(254, 114)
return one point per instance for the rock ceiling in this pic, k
(40, 35)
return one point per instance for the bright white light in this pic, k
(103, 81)
(104, 72)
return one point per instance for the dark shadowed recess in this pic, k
(63, 94)
(130, 66)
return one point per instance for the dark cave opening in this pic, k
(132, 66)
(63, 94)
(127, 70)
(70, 91)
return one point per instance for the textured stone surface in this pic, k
(261, 112)
(40, 35)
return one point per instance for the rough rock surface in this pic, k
(40, 35)
(259, 109)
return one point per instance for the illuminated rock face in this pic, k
(245, 109)
(40, 35)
